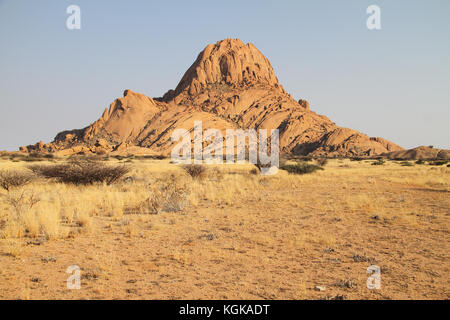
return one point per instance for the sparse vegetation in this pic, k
(13, 248)
(167, 196)
(406, 164)
(261, 166)
(152, 157)
(379, 162)
(173, 197)
(160, 214)
(322, 161)
(438, 162)
(21, 201)
(14, 179)
(300, 168)
(196, 171)
(81, 172)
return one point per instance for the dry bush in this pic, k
(305, 158)
(21, 201)
(168, 196)
(322, 161)
(19, 220)
(91, 158)
(379, 162)
(151, 157)
(101, 152)
(174, 198)
(195, 170)
(215, 174)
(36, 156)
(300, 168)
(81, 172)
(32, 217)
(267, 166)
(14, 179)
(5, 155)
(438, 162)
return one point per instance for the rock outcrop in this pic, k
(419, 153)
(230, 85)
(229, 62)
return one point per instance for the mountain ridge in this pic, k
(230, 85)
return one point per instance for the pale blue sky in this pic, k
(393, 83)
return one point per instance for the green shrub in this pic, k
(300, 168)
(406, 164)
(420, 161)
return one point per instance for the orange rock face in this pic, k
(230, 85)
(229, 62)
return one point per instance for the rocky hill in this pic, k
(230, 85)
(419, 153)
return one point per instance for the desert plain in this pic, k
(228, 233)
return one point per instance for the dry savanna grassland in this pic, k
(159, 232)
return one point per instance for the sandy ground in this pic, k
(279, 239)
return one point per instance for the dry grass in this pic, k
(13, 248)
(263, 236)
(54, 209)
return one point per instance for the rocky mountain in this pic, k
(230, 85)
